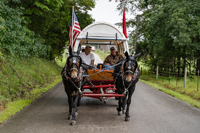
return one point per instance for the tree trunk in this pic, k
(179, 62)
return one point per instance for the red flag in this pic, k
(74, 25)
(124, 24)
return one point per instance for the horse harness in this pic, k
(122, 74)
(79, 77)
(67, 74)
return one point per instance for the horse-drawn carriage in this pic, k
(119, 82)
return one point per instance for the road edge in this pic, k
(22, 104)
(177, 95)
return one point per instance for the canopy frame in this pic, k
(102, 33)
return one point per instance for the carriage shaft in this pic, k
(98, 86)
(89, 94)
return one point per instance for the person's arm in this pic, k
(92, 62)
(92, 59)
(106, 61)
(120, 56)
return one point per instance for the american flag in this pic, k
(76, 29)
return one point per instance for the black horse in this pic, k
(73, 80)
(126, 75)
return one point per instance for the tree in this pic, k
(41, 27)
(169, 28)
(16, 38)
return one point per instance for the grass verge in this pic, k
(24, 80)
(61, 61)
(16, 106)
(187, 95)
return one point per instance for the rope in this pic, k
(103, 69)
(96, 73)
(104, 77)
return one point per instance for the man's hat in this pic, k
(88, 46)
(112, 48)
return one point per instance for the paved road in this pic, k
(152, 111)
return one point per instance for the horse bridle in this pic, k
(129, 69)
(73, 63)
(123, 74)
(68, 74)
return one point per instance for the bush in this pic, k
(15, 38)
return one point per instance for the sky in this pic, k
(107, 11)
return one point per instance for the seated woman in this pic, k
(112, 58)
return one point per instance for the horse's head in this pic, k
(130, 66)
(73, 65)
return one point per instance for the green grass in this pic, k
(188, 94)
(22, 79)
(62, 60)
(187, 99)
(16, 106)
(102, 54)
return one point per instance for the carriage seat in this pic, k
(100, 65)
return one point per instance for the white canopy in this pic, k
(102, 33)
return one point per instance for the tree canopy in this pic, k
(39, 27)
(169, 31)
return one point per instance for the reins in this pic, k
(122, 61)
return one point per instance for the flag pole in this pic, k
(138, 20)
(72, 41)
(124, 23)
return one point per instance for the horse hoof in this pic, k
(127, 118)
(73, 122)
(69, 117)
(76, 114)
(119, 112)
(123, 111)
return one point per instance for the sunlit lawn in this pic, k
(101, 53)
(61, 62)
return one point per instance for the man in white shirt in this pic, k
(87, 56)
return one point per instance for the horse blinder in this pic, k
(73, 63)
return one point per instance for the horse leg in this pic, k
(124, 103)
(74, 114)
(70, 106)
(128, 103)
(120, 102)
(119, 109)
(79, 99)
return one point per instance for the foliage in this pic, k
(169, 32)
(50, 19)
(101, 53)
(190, 100)
(39, 28)
(18, 77)
(16, 106)
(17, 39)
(61, 60)
(190, 94)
